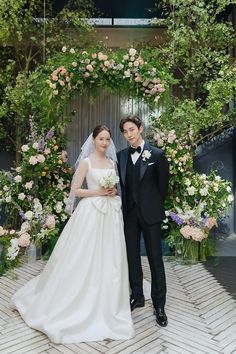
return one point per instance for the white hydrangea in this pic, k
(13, 250)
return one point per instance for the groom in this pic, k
(144, 175)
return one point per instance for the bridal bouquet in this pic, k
(109, 181)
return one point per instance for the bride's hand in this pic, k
(104, 191)
(112, 192)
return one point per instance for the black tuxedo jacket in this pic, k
(153, 183)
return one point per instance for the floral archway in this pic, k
(132, 73)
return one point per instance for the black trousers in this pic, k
(135, 224)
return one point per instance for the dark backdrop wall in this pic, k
(219, 154)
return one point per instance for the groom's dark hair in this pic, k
(131, 118)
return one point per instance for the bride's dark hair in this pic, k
(99, 128)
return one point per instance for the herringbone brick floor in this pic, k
(202, 318)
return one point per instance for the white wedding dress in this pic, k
(83, 292)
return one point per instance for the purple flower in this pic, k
(50, 134)
(41, 145)
(22, 214)
(176, 218)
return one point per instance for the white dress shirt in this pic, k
(136, 155)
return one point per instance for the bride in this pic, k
(83, 293)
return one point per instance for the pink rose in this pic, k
(40, 158)
(50, 222)
(24, 240)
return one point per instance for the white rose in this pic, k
(146, 155)
(74, 64)
(53, 86)
(230, 198)
(203, 176)
(40, 158)
(18, 169)
(59, 207)
(127, 73)
(47, 151)
(106, 63)
(120, 67)
(29, 215)
(191, 190)
(6, 188)
(126, 57)
(89, 67)
(24, 148)
(203, 191)
(18, 179)
(187, 182)
(2, 231)
(72, 51)
(132, 52)
(33, 160)
(21, 196)
(8, 199)
(35, 145)
(64, 49)
(29, 185)
(228, 189)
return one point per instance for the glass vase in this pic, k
(31, 253)
(191, 251)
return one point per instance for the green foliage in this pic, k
(197, 52)
(197, 41)
(5, 263)
(26, 40)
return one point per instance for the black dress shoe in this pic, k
(136, 302)
(161, 317)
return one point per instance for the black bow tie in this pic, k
(133, 150)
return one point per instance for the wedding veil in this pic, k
(87, 149)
